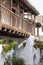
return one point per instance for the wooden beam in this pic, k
(0, 28)
(12, 31)
(13, 28)
(7, 30)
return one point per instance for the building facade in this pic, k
(12, 18)
(17, 21)
(40, 20)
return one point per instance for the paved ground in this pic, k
(41, 63)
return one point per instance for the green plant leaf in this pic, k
(8, 46)
(1, 41)
(18, 61)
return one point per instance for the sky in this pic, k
(38, 4)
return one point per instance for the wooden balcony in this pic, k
(14, 23)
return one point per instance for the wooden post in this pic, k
(11, 14)
(18, 17)
(38, 32)
(0, 1)
(22, 19)
(34, 24)
(31, 17)
(18, 8)
(1, 10)
(27, 22)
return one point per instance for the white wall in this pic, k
(40, 32)
(27, 53)
(37, 54)
(4, 55)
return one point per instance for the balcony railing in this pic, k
(15, 21)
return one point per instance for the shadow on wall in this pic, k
(34, 58)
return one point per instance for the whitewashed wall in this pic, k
(28, 52)
(5, 55)
(37, 54)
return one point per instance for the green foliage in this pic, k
(36, 45)
(8, 61)
(15, 61)
(8, 45)
(13, 44)
(1, 41)
(41, 45)
(5, 47)
(18, 61)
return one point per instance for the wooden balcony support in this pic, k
(11, 29)
(7, 30)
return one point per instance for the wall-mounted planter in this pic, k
(24, 44)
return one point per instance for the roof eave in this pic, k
(31, 7)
